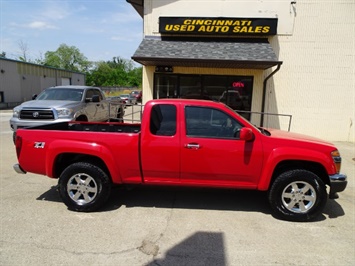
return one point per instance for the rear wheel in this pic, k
(84, 187)
(120, 115)
(82, 118)
(297, 195)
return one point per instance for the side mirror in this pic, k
(246, 134)
(95, 98)
(34, 96)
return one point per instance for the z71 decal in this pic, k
(39, 145)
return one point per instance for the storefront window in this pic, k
(190, 87)
(214, 86)
(235, 91)
(165, 86)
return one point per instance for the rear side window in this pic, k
(163, 120)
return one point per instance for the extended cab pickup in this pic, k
(66, 103)
(183, 143)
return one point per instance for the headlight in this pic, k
(16, 112)
(337, 160)
(64, 112)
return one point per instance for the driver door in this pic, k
(213, 154)
(95, 110)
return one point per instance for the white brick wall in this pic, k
(316, 81)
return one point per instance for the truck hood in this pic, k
(280, 134)
(47, 104)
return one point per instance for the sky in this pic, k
(100, 29)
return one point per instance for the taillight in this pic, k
(337, 160)
(18, 145)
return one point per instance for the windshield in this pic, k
(64, 94)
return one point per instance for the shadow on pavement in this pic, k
(188, 198)
(192, 198)
(202, 248)
(51, 195)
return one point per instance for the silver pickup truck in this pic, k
(66, 103)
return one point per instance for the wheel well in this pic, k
(82, 118)
(66, 159)
(313, 167)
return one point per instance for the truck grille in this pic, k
(37, 114)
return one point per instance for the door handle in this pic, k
(194, 146)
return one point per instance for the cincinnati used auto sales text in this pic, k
(217, 26)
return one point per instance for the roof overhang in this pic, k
(214, 54)
(137, 5)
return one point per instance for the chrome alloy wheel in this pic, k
(82, 188)
(299, 197)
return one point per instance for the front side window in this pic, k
(207, 122)
(163, 120)
(92, 92)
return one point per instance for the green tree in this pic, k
(3, 54)
(115, 72)
(68, 58)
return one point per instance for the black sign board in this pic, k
(218, 26)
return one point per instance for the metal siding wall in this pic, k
(21, 80)
(10, 82)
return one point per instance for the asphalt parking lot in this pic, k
(165, 226)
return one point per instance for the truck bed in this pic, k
(92, 126)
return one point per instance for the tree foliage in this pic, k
(67, 57)
(118, 72)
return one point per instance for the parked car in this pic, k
(66, 103)
(137, 95)
(128, 99)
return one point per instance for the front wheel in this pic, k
(297, 195)
(120, 114)
(84, 187)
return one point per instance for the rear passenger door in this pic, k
(160, 146)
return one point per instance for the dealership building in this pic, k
(281, 64)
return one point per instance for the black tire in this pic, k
(297, 195)
(84, 187)
(120, 115)
(82, 118)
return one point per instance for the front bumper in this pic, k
(16, 123)
(338, 183)
(18, 169)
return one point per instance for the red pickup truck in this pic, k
(183, 143)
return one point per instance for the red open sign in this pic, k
(238, 84)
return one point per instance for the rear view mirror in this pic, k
(246, 134)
